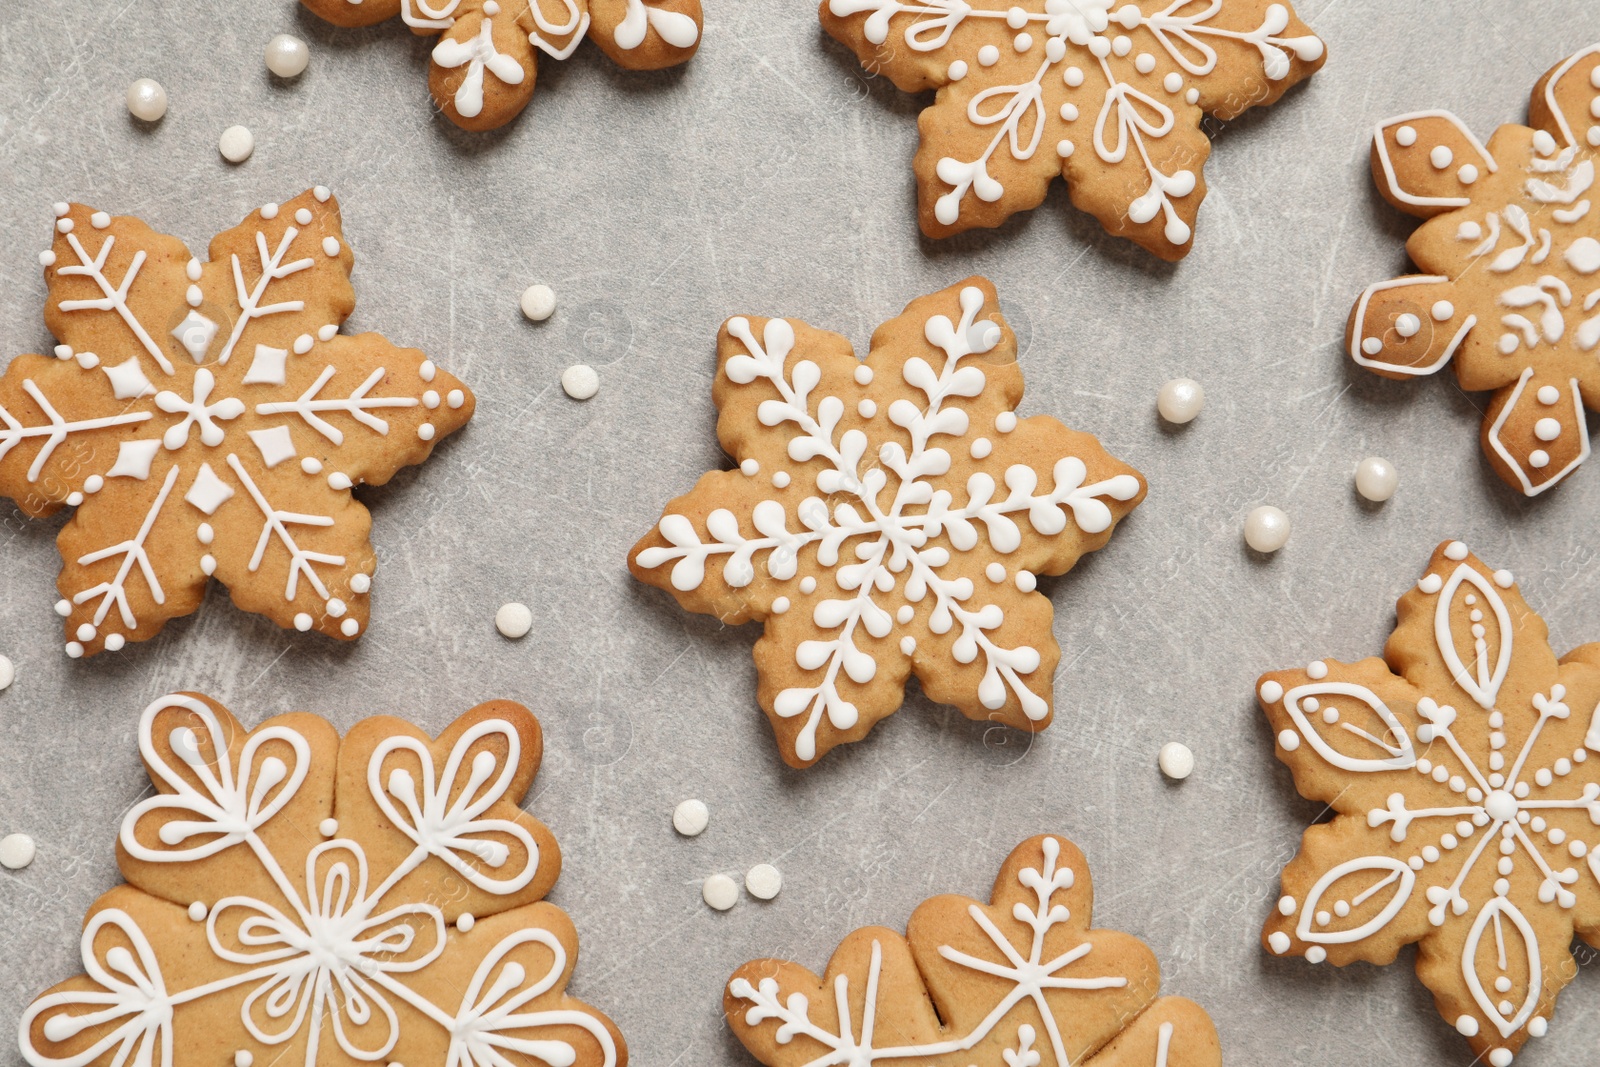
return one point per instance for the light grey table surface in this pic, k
(771, 176)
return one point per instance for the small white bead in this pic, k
(691, 818)
(763, 881)
(580, 381)
(16, 851)
(514, 620)
(147, 100)
(538, 302)
(1180, 400)
(1376, 479)
(287, 56)
(236, 144)
(8, 673)
(720, 892)
(1176, 761)
(1266, 529)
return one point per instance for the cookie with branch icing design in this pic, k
(1511, 258)
(293, 897)
(1019, 982)
(206, 419)
(1107, 96)
(1464, 774)
(887, 517)
(482, 70)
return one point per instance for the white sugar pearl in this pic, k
(691, 817)
(720, 892)
(1376, 479)
(147, 100)
(580, 381)
(1266, 529)
(514, 620)
(236, 144)
(16, 851)
(8, 673)
(1176, 761)
(287, 56)
(1180, 400)
(763, 881)
(538, 302)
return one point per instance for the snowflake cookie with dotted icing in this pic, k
(1019, 982)
(888, 517)
(295, 898)
(207, 420)
(1108, 96)
(1464, 774)
(1511, 251)
(482, 69)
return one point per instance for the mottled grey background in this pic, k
(770, 176)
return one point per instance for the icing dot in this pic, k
(86, 632)
(1266, 529)
(1441, 156)
(194, 296)
(1538, 459)
(808, 585)
(514, 620)
(780, 605)
(197, 912)
(311, 465)
(1181, 400)
(905, 614)
(1271, 692)
(269, 211)
(867, 408)
(47, 258)
(1069, 112)
(74, 499)
(16, 851)
(328, 827)
(908, 645)
(147, 100)
(1372, 346)
(958, 70)
(1056, 50)
(863, 375)
(1503, 579)
(236, 144)
(750, 468)
(763, 881)
(1547, 429)
(1122, 45)
(8, 673)
(1065, 148)
(455, 398)
(1288, 740)
(1538, 1026)
(1073, 76)
(1006, 421)
(1016, 17)
(1376, 479)
(1286, 906)
(1145, 63)
(1279, 942)
(1501, 1057)
(427, 370)
(114, 642)
(1316, 670)
(1172, 82)
(1316, 954)
(1026, 581)
(61, 207)
(691, 817)
(100, 220)
(63, 608)
(64, 225)
(360, 583)
(1405, 136)
(336, 608)
(1430, 583)
(1176, 761)
(1543, 143)
(430, 399)
(303, 216)
(1407, 325)
(287, 56)
(74, 650)
(1467, 1026)
(1193, 95)
(996, 572)
(243, 1058)
(580, 381)
(988, 55)
(330, 246)
(328, 332)
(302, 622)
(465, 921)
(321, 193)
(426, 431)
(1022, 42)
(350, 627)
(538, 302)
(1549, 394)
(208, 564)
(1457, 551)
(1443, 311)
(981, 447)
(1467, 174)
(720, 892)
(780, 480)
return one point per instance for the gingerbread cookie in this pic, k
(1108, 96)
(1020, 981)
(483, 68)
(207, 419)
(1511, 258)
(887, 517)
(1465, 778)
(295, 898)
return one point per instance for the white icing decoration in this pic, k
(134, 459)
(276, 445)
(478, 54)
(268, 366)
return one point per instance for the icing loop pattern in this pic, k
(216, 438)
(849, 476)
(1466, 778)
(1093, 992)
(1510, 254)
(357, 953)
(1047, 70)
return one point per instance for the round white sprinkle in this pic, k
(996, 572)
(750, 468)
(197, 912)
(538, 302)
(338, 480)
(74, 650)
(763, 881)
(1443, 311)
(360, 583)
(8, 673)
(1407, 325)
(580, 381)
(988, 55)
(780, 605)
(147, 100)
(1538, 459)
(908, 644)
(16, 851)
(303, 622)
(720, 892)
(1441, 156)
(1266, 529)
(1548, 395)
(1547, 429)
(1180, 400)
(1177, 762)
(426, 431)
(287, 56)
(328, 827)
(63, 608)
(863, 375)
(303, 216)
(1376, 479)
(1467, 174)
(100, 220)
(1405, 136)
(243, 1058)
(1172, 82)
(466, 921)
(958, 70)
(1006, 421)
(114, 642)
(311, 465)
(691, 817)
(514, 620)
(236, 144)
(330, 246)
(350, 627)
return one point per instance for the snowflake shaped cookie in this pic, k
(1511, 251)
(1020, 982)
(483, 68)
(297, 898)
(207, 419)
(888, 517)
(1108, 96)
(1465, 778)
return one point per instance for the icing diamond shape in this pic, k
(128, 381)
(134, 459)
(267, 368)
(194, 333)
(276, 445)
(208, 493)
